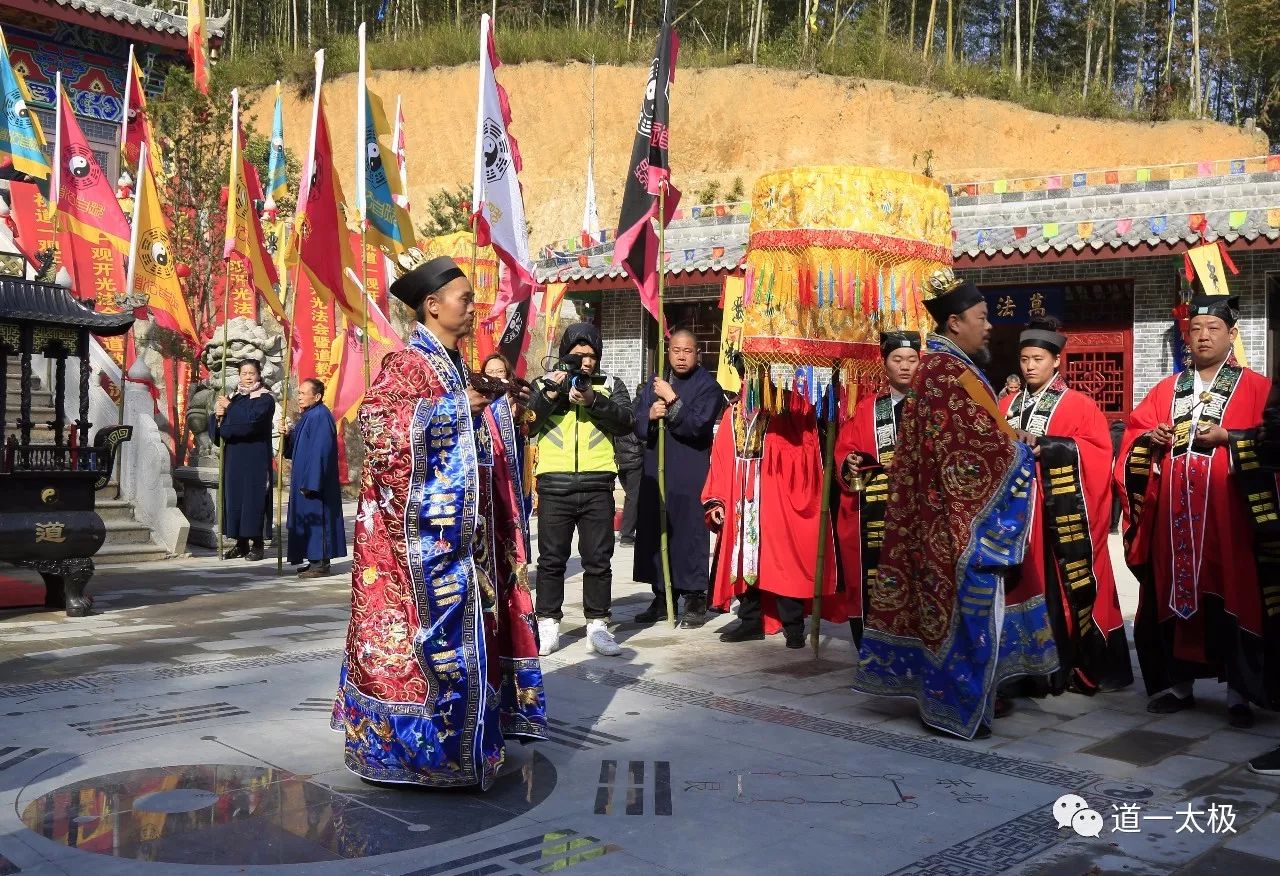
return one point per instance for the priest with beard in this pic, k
(441, 665)
(1067, 556)
(1200, 524)
(939, 626)
(864, 450)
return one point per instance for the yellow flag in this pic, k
(1207, 262)
(155, 269)
(731, 332)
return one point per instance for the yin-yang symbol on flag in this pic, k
(82, 170)
(153, 252)
(497, 154)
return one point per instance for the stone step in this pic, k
(13, 401)
(126, 531)
(128, 555)
(40, 413)
(111, 509)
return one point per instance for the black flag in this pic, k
(514, 339)
(637, 245)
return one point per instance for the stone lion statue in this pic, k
(246, 341)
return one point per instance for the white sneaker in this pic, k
(548, 635)
(600, 640)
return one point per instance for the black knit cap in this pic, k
(426, 279)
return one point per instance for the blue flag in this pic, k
(21, 138)
(277, 183)
(388, 222)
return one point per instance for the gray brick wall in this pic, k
(1154, 288)
(623, 324)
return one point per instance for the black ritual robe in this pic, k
(246, 429)
(690, 425)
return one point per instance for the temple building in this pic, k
(1104, 256)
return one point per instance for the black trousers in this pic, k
(591, 515)
(790, 610)
(630, 506)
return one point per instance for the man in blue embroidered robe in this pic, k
(940, 626)
(441, 661)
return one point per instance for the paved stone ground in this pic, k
(187, 724)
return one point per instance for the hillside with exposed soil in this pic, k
(735, 122)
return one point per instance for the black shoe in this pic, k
(1266, 764)
(315, 570)
(1240, 716)
(235, 553)
(657, 611)
(627, 540)
(695, 611)
(743, 632)
(794, 637)
(1002, 707)
(254, 554)
(1169, 703)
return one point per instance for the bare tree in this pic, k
(1017, 41)
(928, 28)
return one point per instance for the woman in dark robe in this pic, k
(242, 422)
(317, 533)
(690, 401)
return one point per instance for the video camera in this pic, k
(571, 364)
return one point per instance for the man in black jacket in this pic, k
(577, 410)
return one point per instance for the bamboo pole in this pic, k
(664, 548)
(284, 413)
(222, 442)
(828, 464)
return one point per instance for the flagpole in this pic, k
(284, 414)
(232, 200)
(663, 520)
(130, 278)
(55, 173)
(477, 191)
(828, 466)
(128, 89)
(362, 195)
(222, 442)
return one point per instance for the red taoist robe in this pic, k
(771, 497)
(1077, 417)
(1190, 543)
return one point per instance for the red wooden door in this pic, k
(1100, 364)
